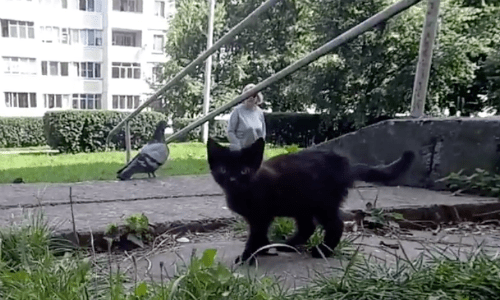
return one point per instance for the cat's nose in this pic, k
(232, 178)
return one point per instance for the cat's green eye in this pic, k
(222, 170)
(245, 171)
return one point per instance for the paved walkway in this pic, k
(172, 199)
(296, 270)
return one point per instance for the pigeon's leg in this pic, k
(149, 175)
(154, 175)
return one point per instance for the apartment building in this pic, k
(79, 54)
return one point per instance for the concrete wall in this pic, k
(442, 146)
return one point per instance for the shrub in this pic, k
(282, 128)
(86, 131)
(21, 132)
(293, 128)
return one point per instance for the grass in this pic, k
(184, 159)
(30, 269)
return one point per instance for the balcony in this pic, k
(129, 6)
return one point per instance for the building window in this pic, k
(89, 70)
(53, 68)
(86, 37)
(50, 34)
(157, 73)
(160, 9)
(87, 101)
(19, 65)
(18, 29)
(124, 39)
(126, 101)
(91, 37)
(56, 101)
(128, 5)
(75, 36)
(158, 43)
(20, 100)
(64, 36)
(86, 5)
(126, 70)
(64, 69)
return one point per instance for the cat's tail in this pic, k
(383, 174)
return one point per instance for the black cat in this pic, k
(306, 185)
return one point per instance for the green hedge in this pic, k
(21, 132)
(86, 131)
(217, 129)
(285, 128)
(281, 129)
(294, 128)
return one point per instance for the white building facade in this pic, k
(79, 54)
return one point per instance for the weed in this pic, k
(481, 182)
(433, 275)
(111, 229)
(239, 225)
(281, 229)
(30, 270)
(381, 217)
(137, 223)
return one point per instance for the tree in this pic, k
(369, 78)
(492, 72)
(372, 75)
(186, 39)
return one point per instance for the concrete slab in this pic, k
(180, 199)
(295, 270)
(26, 195)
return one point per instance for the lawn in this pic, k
(184, 159)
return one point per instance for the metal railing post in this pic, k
(339, 40)
(235, 30)
(128, 145)
(424, 59)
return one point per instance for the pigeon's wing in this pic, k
(129, 163)
(157, 152)
(148, 160)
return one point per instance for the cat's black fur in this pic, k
(306, 185)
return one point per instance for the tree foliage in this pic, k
(369, 77)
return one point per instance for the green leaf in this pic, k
(141, 290)
(209, 257)
(134, 239)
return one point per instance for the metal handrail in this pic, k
(235, 30)
(339, 40)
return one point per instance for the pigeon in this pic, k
(151, 157)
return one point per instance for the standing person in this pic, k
(246, 123)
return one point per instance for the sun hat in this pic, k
(259, 94)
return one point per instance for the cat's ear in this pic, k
(254, 154)
(212, 145)
(214, 151)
